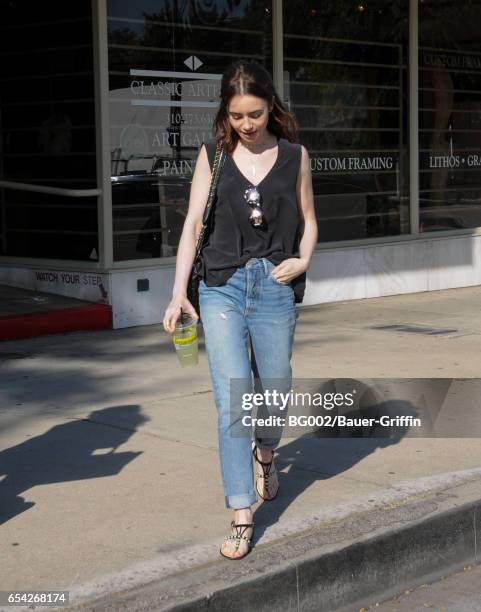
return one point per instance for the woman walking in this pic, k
(255, 260)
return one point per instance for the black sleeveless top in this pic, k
(233, 240)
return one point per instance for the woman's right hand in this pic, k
(172, 313)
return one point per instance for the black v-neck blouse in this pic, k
(233, 240)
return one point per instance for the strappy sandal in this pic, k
(240, 529)
(267, 482)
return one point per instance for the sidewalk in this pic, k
(109, 448)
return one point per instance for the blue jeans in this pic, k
(251, 306)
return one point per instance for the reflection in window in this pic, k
(166, 60)
(449, 115)
(345, 77)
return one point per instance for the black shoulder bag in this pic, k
(197, 271)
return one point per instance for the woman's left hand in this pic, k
(289, 269)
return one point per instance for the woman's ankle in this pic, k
(243, 515)
(264, 454)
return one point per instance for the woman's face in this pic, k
(248, 116)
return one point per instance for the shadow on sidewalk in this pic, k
(66, 453)
(323, 454)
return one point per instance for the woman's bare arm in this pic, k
(305, 202)
(199, 192)
(294, 266)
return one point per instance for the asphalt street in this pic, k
(457, 592)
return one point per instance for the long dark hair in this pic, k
(251, 78)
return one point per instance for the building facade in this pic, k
(104, 104)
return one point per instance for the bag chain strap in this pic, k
(210, 199)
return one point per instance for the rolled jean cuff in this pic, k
(240, 501)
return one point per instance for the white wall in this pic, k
(80, 284)
(390, 269)
(132, 307)
(334, 275)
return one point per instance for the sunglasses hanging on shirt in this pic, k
(253, 198)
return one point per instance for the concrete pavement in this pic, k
(109, 475)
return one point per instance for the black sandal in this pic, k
(263, 473)
(240, 529)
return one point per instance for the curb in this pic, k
(344, 565)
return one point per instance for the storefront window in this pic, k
(165, 63)
(449, 115)
(47, 121)
(345, 74)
